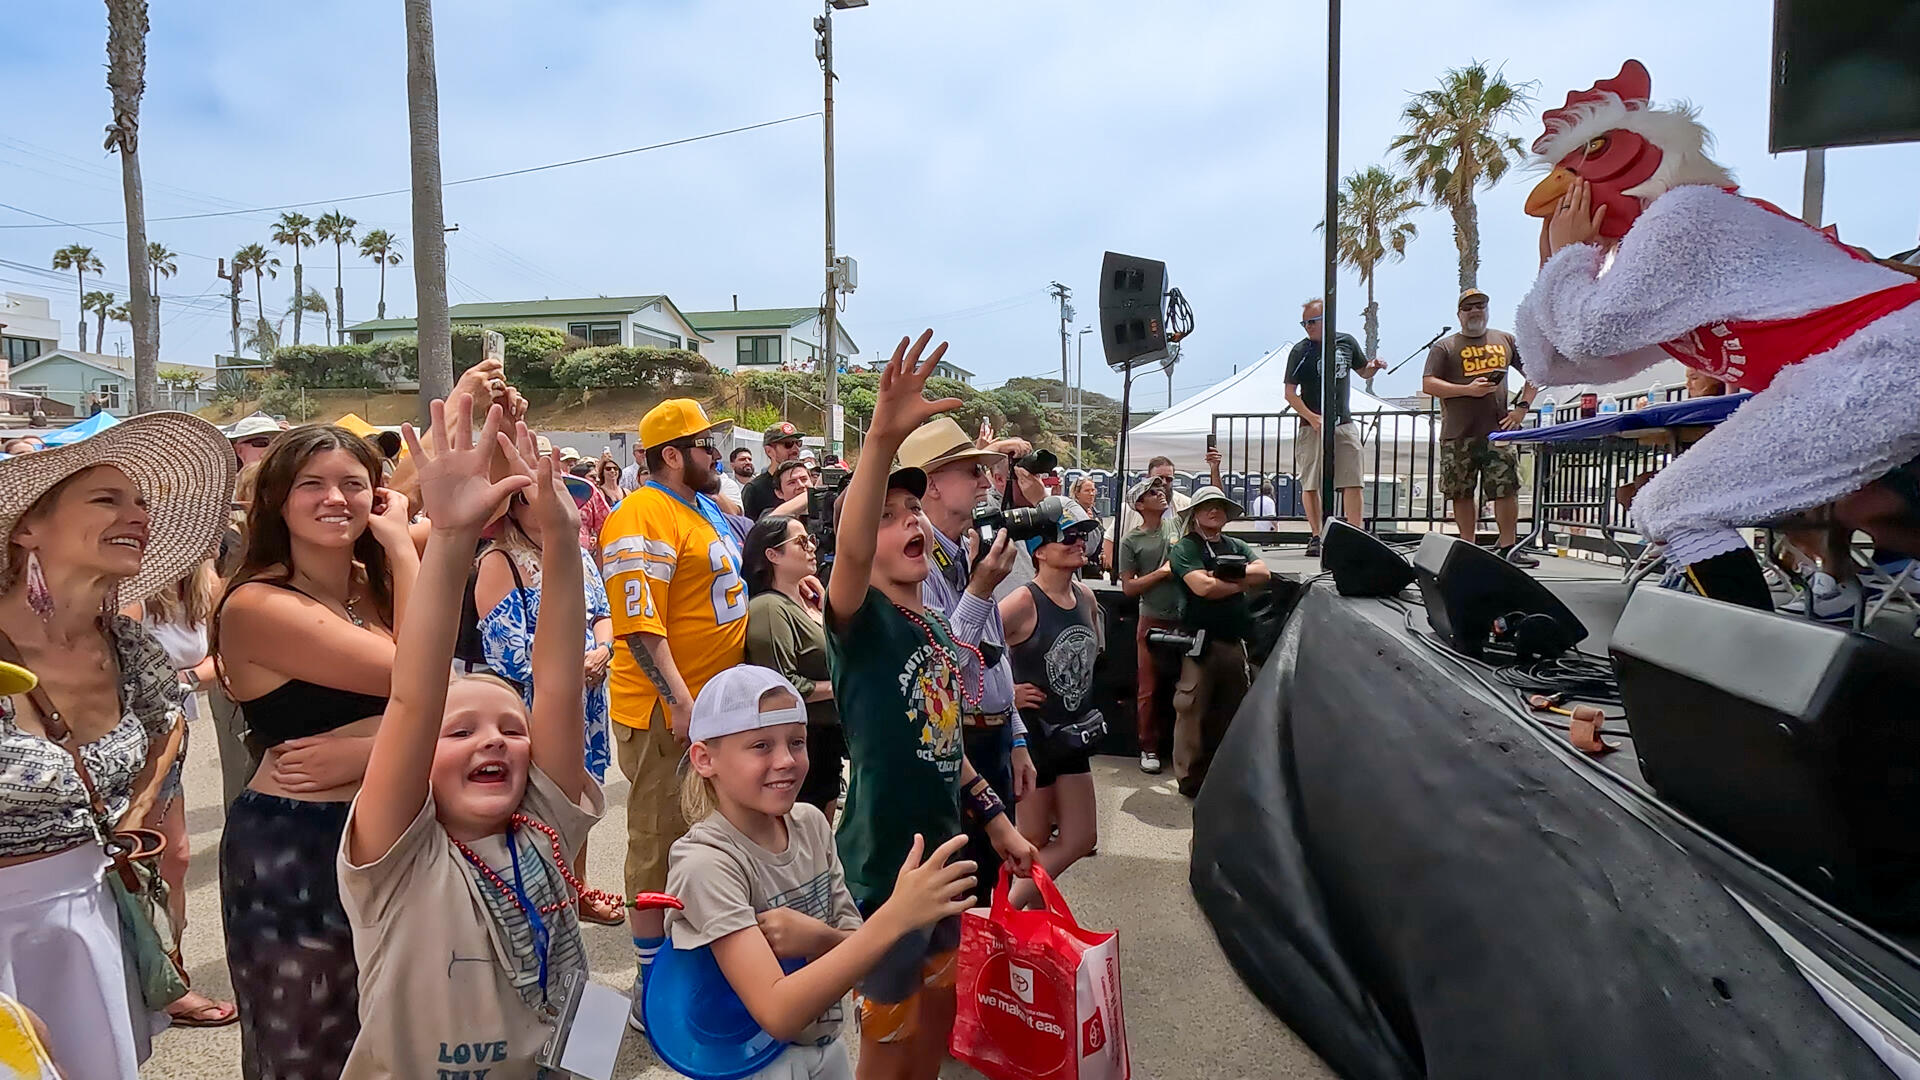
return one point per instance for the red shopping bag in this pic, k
(1038, 995)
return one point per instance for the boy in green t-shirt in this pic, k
(1213, 683)
(896, 675)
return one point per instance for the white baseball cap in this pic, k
(730, 703)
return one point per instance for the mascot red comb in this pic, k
(1649, 252)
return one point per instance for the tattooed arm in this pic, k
(655, 658)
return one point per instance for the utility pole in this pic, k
(232, 278)
(1079, 395)
(1061, 293)
(830, 297)
(1331, 384)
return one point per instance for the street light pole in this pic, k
(1079, 399)
(830, 297)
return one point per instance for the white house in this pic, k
(768, 339)
(597, 320)
(27, 330)
(73, 378)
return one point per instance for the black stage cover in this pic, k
(1422, 886)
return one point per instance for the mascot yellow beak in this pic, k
(1545, 197)
(15, 680)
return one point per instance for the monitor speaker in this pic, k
(1794, 740)
(1133, 326)
(1466, 588)
(1361, 563)
(1845, 74)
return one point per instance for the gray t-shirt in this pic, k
(1143, 551)
(725, 880)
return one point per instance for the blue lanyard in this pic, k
(534, 918)
(706, 509)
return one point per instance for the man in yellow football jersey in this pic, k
(672, 569)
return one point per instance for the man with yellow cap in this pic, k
(672, 569)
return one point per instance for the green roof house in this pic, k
(597, 320)
(768, 339)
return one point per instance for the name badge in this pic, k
(589, 1022)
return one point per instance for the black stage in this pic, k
(1423, 882)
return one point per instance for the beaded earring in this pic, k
(39, 597)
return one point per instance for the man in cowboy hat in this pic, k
(672, 569)
(1220, 573)
(757, 495)
(994, 737)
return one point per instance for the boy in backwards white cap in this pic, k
(761, 881)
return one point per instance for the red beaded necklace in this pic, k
(580, 891)
(945, 654)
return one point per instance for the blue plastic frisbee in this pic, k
(698, 1026)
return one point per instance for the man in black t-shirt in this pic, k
(759, 495)
(1303, 386)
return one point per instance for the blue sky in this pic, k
(985, 148)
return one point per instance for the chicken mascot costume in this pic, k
(1650, 252)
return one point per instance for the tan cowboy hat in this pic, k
(940, 442)
(183, 466)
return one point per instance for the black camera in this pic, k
(1019, 524)
(1039, 462)
(1232, 567)
(1186, 644)
(820, 514)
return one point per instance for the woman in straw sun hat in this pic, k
(105, 521)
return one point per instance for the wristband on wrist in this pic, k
(978, 797)
(1019, 741)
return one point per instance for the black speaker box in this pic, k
(1133, 293)
(1361, 563)
(1794, 740)
(1466, 587)
(1845, 74)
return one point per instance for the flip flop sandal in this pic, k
(589, 915)
(225, 1012)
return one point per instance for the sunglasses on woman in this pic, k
(805, 540)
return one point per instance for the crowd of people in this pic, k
(421, 658)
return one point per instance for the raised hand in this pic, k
(553, 505)
(1575, 221)
(900, 405)
(453, 477)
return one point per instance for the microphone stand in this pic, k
(1421, 349)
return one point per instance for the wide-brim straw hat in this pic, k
(182, 465)
(941, 442)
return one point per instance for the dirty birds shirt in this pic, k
(1461, 360)
(726, 880)
(449, 978)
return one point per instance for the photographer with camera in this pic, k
(1220, 573)
(759, 496)
(995, 739)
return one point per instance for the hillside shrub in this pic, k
(629, 366)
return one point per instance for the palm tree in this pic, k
(295, 230)
(127, 79)
(101, 304)
(311, 300)
(120, 313)
(337, 227)
(256, 259)
(429, 216)
(1372, 228)
(261, 337)
(80, 259)
(161, 263)
(384, 249)
(1452, 147)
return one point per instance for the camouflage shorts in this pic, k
(1463, 461)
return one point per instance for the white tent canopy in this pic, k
(1266, 446)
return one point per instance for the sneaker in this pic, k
(1831, 600)
(1149, 763)
(1313, 548)
(635, 1018)
(1514, 555)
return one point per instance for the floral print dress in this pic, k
(507, 634)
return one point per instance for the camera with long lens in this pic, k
(1020, 523)
(820, 516)
(1180, 641)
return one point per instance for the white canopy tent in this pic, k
(1265, 445)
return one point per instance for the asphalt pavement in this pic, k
(1188, 1015)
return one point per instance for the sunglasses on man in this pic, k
(1311, 321)
(697, 444)
(258, 442)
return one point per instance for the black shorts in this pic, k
(1051, 765)
(826, 758)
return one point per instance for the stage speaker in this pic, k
(1133, 294)
(1792, 739)
(1845, 74)
(1466, 587)
(1361, 563)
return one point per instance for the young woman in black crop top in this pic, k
(304, 644)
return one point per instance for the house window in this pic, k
(758, 350)
(598, 333)
(644, 336)
(111, 391)
(20, 350)
(32, 388)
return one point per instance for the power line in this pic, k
(408, 190)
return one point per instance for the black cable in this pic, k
(1179, 316)
(1574, 675)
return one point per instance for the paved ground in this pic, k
(1187, 1014)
